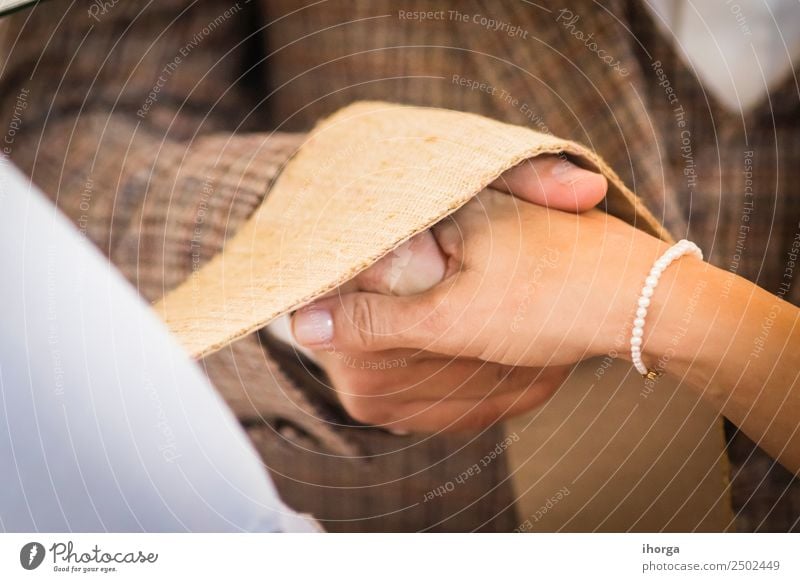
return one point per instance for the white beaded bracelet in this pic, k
(682, 247)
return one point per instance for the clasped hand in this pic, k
(483, 316)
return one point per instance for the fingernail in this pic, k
(312, 326)
(568, 173)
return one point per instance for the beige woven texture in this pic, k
(369, 178)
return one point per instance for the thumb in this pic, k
(361, 322)
(555, 182)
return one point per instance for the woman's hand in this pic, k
(524, 286)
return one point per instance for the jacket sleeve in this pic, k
(142, 124)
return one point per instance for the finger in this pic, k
(467, 414)
(378, 380)
(555, 182)
(410, 375)
(366, 322)
(415, 266)
(419, 397)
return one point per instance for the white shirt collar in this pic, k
(740, 50)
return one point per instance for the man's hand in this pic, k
(412, 390)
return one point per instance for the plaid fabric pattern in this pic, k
(158, 127)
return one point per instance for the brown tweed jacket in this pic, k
(158, 126)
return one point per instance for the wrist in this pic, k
(623, 285)
(676, 305)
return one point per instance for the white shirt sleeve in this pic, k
(105, 423)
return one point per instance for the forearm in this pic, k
(735, 343)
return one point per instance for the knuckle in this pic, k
(479, 419)
(502, 375)
(373, 278)
(364, 320)
(354, 383)
(487, 414)
(518, 377)
(361, 395)
(365, 410)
